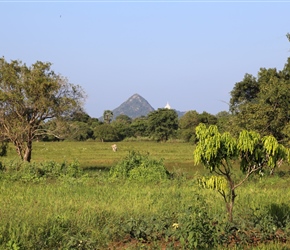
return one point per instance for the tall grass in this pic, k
(94, 212)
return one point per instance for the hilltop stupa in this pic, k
(167, 106)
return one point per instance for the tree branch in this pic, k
(250, 171)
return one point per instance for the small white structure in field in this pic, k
(114, 147)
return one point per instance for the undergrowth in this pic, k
(34, 172)
(137, 205)
(139, 167)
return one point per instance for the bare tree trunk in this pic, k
(28, 149)
(18, 147)
(28, 152)
(230, 205)
(231, 198)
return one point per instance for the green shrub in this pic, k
(137, 166)
(195, 228)
(18, 170)
(57, 232)
(3, 148)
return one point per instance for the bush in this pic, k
(3, 148)
(18, 170)
(195, 228)
(137, 166)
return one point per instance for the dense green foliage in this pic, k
(106, 132)
(257, 103)
(162, 124)
(190, 120)
(218, 152)
(35, 172)
(92, 212)
(108, 116)
(70, 205)
(28, 97)
(140, 167)
(263, 103)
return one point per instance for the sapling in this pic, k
(218, 152)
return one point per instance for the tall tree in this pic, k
(224, 121)
(244, 92)
(108, 116)
(28, 97)
(162, 123)
(122, 126)
(188, 122)
(105, 132)
(80, 116)
(139, 127)
(263, 104)
(123, 119)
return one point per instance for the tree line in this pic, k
(259, 103)
(160, 125)
(38, 104)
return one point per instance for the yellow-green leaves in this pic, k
(230, 144)
(275, 152)
(248, 141)
(217, 151)
(218, 183)
(208, 145)
(271, 145)
(213, 148)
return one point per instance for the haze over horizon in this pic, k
(187, 53)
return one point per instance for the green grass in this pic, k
(98, 155)
(94, 212)
(99, 212)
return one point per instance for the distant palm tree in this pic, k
(108, 116)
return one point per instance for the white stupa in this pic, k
(167, 106)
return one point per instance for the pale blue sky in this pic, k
(187, 53)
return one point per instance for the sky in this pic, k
(187, 53)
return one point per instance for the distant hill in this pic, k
(180, 113)
(135, 106)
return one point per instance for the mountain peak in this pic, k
(135, 106)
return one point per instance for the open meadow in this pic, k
(99, 155)
(83, 208)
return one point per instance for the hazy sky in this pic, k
(187, 53)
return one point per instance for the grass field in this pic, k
(95, 212)
(98, 155)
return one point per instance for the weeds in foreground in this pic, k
(54, 205)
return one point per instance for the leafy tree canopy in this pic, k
(162, 123)
(263, 103)
(106, 132)
(122, 126)
(123, 119)
(108, 116)
(139, 126)
(191, 119)
(243, 92)
(80, 116)
(29, 96)
(218, 152)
